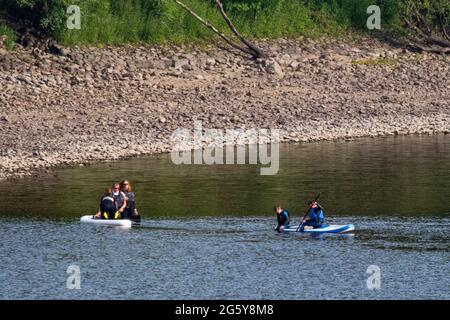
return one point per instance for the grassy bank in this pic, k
(158, 21)
(117, 22)
(10, 37)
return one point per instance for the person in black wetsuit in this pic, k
(130, 211)
(282, 218)
(108, 209)
(112, 203)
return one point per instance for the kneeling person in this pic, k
(282, 217)
(108, 207)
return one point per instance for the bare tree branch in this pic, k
(258, 53)
(214, 29)
(444, 31)
(249, 48)
(421, 21)
(413, 26)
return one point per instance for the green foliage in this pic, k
(26, 3)
(435, 12)
(50, 15)
(270, 19)
(157, 21)
(10, 37)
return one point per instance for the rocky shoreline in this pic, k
(88, 104)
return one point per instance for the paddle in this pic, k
(136, 217)
(304, 217)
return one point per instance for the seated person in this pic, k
(316, 216)
(130, 211)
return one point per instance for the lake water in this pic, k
(207, 231)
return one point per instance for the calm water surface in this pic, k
(207, 230)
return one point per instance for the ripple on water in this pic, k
(229, 258)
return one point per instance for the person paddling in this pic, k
(282, 217)
(316, 216)
(130, 211)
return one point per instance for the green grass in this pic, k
(117, 22)
(127, 23)
(376, 62)
(10, 37)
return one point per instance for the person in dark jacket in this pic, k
(108, 209)
(130, 211)
(112, 203)
(282, 218)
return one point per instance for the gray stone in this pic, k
(179, 63)
(162, 64)
(274, 68)
(294, 65)
(210, 61)
(3, 40)
(58, 49)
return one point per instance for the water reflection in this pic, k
(405, 176)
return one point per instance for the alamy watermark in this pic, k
(211, 146)
(374, 20)
(74, 19)
(74, 278)
(374, 280)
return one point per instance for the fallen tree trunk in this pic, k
(415, 46)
